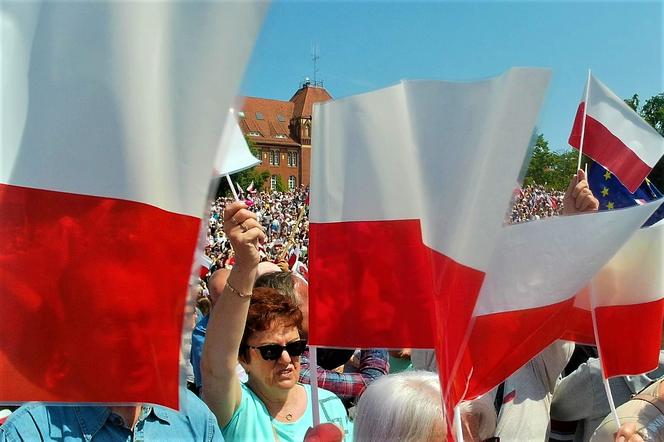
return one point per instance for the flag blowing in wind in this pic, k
(430, 180)
(535, 289)
(106, 161)
(612, 195)
(615, 136)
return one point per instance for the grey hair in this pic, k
(405, 406)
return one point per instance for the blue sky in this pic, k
(365, 46)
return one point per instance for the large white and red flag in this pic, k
(107, 153)
(534, 282)
(423, 170)
(615, 136)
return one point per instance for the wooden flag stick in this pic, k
(583, 121)
(291, 237)
(607, 387)
(230, 183)
(313, 381)
(458, 428)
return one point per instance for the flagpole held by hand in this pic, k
(230, 183)
(583, 122)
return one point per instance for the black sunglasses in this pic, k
(272, 352)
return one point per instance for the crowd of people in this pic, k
(283, 215)
(252, 370)
(535, 202)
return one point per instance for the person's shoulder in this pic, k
(26, 423)
(193, 409)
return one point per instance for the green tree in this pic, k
(280, 187)
(552, 170)
(653, 112)
(633, 102)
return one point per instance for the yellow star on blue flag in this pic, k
(613, 195)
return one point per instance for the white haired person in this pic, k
(407, 406)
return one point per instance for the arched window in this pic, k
(273, 182)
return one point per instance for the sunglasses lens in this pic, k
(271, 352)
(296, 348)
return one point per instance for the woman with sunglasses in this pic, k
(261, 328)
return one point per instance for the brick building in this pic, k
(281, 130)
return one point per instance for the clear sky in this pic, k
(365, 46)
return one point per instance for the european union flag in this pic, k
(613, 195)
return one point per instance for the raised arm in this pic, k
(221, 385)
(578, 197)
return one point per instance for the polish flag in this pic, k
(205, 263)
(430, 179)
(628, 290)
(616, 136)
(532, 286)
(233, 154)
(106, 161)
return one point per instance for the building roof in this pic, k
(305, 97)
(268, 117)
(271, 118)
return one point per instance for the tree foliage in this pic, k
(653, 113)
(552, 170)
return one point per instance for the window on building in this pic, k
(281, 118)
(259, 116)
(280, 136)
(291, 182)
(240, 114)
(253, 133)
(274, 157)
(273, 182)
(292, 159)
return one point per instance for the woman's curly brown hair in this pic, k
(266, 307)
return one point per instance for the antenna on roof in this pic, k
(314, 59)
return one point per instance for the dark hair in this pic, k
(266, 307)
(282, 281)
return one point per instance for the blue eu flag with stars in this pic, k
(613, 195)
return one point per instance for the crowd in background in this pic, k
(535, 202)
(278, 213)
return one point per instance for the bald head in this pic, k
(216, 284)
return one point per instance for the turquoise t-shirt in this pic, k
(252, 422)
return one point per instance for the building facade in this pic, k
(281, 131)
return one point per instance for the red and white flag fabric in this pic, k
(629, 289)
(205, 262)
(106, 161)
(431, 179)
(615, 136)
(233, 154)
(532, 286)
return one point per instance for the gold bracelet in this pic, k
(236, 291)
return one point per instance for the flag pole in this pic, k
(232, 186)
(458, 429)
(583, 121)
(605, 381)
(313, 381)
(291, 237)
